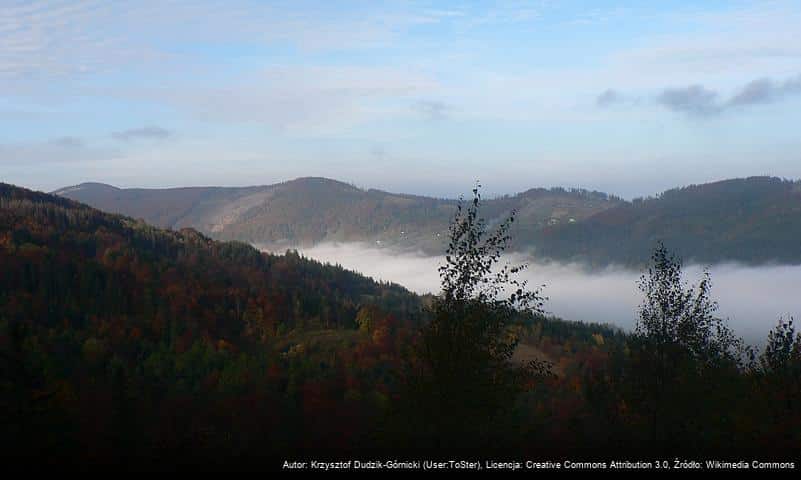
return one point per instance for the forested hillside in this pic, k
(61, 252)
(308, 211)
(125, 344)
(119, 338)
(755, 220)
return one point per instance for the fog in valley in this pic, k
(751, 298)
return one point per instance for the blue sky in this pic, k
(421, 97)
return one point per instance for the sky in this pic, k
(630, 98)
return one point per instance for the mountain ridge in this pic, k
(726, 220)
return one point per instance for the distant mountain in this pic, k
(308, 211)
(753, 220)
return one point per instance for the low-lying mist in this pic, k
(751, 298)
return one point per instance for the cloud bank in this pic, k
(751, 298)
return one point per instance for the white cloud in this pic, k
(751, 298)
(60, 38)
(306, 99)
(68, 38)
(729, 45)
